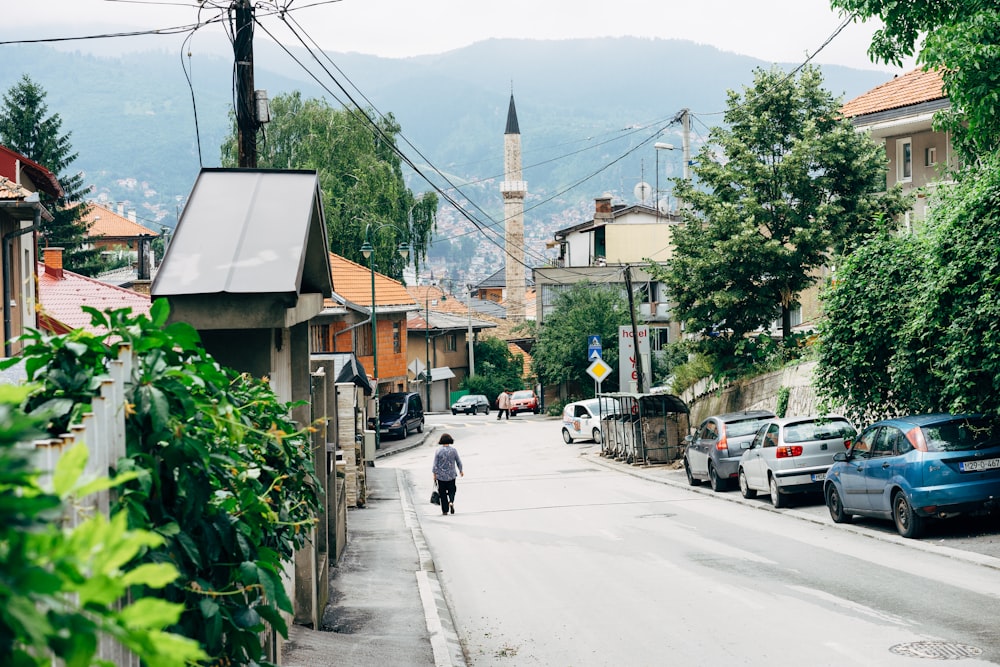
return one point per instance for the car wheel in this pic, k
(692, 480)
(907, 522)
(718, 484)
(420, 426)
(836, 507)
(597, 435)
(745, 489)
(487, 410)
(567, 438)
(401, 433)
(778, 499)
(454, 412)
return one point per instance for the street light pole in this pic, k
(427, 345)
(659, 146)
(368, 251)
(472, 351)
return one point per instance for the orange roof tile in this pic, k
(102, 221)
(354, 282)
(11, 190)
(902, 91)
(60, 299)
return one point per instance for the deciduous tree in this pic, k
(783, 185)
(960, 38)
(583, 310)
(360, 174)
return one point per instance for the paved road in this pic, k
(556, 557)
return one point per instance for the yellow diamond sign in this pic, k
(599, 370)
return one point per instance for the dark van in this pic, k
(401, 412)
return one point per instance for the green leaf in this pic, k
(149, 612)
(159, 312)
(69, 468)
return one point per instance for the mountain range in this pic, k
(587, 109)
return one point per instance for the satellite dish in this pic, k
(642, 191)
(663, 205)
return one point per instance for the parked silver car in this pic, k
(792, 455)
(714, 451)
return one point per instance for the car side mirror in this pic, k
(841, 456)
(689, 439)
(746, 445)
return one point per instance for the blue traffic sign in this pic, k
(594, 348)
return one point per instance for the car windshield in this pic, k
(391, 404)
(826, 429)
(744, 427)
(467, 399)
(522, 394)
(966, 434)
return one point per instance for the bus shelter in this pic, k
(644, 428)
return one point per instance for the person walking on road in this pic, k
(503, 405)
(447, 466)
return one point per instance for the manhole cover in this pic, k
(936, 650)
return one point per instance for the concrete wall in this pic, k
(759, 393)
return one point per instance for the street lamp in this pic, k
(472, 352)
(368, 252)
(659, 146)
(427, 343)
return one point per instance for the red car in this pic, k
(523, 401)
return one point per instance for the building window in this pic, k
(659, 338)
(363, 341)
(321, 338)
(397, 338)
(930, 156)
(904, 160)
(451, 342)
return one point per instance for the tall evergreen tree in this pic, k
(26, 127)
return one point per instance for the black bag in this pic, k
(435, 498)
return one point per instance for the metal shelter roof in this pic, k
(249, 231)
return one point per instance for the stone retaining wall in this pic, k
(760, 393)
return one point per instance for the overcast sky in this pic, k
(772, 30)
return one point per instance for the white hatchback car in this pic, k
(582, 421)
(792, 455)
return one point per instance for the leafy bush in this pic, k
(57, 585)
(220, 471)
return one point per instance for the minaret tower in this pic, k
(513, 190)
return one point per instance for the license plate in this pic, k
(975, 466)
(818, 476)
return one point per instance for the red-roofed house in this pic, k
(21, 214)
(344, 324)
(900, 113)
(61, 294)
(114, 232)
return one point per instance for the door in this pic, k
(754, 465)
(885, 460)
(852, 475)
(706, 436)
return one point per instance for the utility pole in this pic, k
(639, 380)
(246, 107)
(686, 142)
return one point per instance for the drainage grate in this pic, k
(936, 650)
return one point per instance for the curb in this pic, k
(950, 552)
(445, 643)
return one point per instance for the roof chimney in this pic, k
(602, 208)
(53, 258)
(131, 215)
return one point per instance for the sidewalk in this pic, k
(386, 606)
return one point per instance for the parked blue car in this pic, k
(912, 468)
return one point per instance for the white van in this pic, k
(581, 420)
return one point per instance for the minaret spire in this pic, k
(513, 189)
